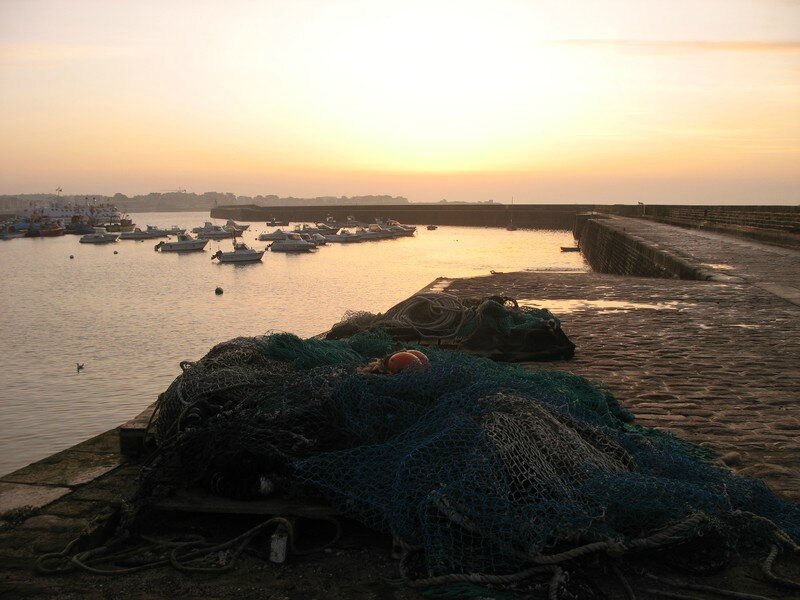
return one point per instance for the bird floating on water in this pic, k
(79, 367)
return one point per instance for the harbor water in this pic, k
(131, 317)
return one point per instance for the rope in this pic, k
(181, 554)
(673, 533)
(766, 569)
(666, 594)
(706, 588)
(481, 578)
(629, 593)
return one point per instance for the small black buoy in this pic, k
(115, 252)
(218, 291)
(71, 256)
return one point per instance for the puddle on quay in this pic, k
(559, 305)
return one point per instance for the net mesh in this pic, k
(481, 465)
(495, 326)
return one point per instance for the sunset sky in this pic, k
(543, 101)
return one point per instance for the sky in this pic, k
(591, 101)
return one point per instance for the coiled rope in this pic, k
(187, 555)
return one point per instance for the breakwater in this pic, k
(610, 248)
(536, 216)
(778, 225)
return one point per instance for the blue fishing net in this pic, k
(482, 466)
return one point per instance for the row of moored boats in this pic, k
(304, 238)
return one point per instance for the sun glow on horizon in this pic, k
(246, 96)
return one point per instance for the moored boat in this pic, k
(10, 233)
(241, 253)
(374, 232)
(232, 225)
(344, 236)
(293, 243)
(432, 227)
(51, 230)
(150, 233)
(399, 229)
(209, 231)
(100, 236)
(278, 234)
(184, 243)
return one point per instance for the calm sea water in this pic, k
(132, 317)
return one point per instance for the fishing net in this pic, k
(495, 327)
(474, 466)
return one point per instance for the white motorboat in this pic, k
(100, 236)
(175, 230)
(399, 229)
(375, 232)
(184, 243)
(276, 235)
(344, 236)
(209, 231)
(293, 243)
(318, 239)
(148, 234)
(241, 253)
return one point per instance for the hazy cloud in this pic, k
(52, 55)
(688, 46)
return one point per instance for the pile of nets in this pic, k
(495, 327)
(474, 466)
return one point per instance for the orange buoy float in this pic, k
(422, 358)
(407, 359)
(400, 361)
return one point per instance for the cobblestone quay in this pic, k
(717, 363)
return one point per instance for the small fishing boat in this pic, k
(318, 239)
(51, 230)
(175, 230)
(184, 243)
(150, 233)
(374, 232)
(100, 236)
(293, 243)
(209, 231)
(570, 249)
(232, 225)
(398, 229)
(276, 235)
(432, 227)
(241, 253)
(273, 222)
(344, 236)
(11, 233)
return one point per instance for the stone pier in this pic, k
(713, 357)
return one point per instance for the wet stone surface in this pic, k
(688, 365)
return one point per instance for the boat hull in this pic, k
(241, 258)
(213, 235)
(106, 240)
(194, 246)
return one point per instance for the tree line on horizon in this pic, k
(164, 201)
